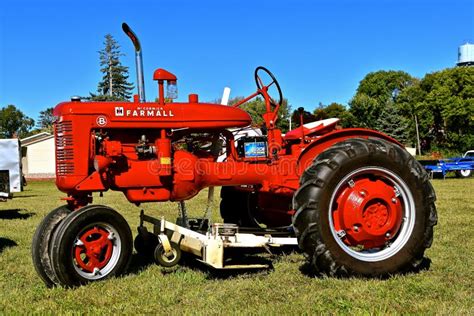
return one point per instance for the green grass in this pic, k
(446, 288)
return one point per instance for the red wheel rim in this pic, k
(93, 249)
(371, 213)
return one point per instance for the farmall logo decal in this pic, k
(148, 111)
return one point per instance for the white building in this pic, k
(38, 157)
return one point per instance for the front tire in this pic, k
(364, 208)
(40, 247)
(91, 244)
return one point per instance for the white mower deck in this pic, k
(212, 246)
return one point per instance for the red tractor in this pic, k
(354, 200)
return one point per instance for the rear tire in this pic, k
(41, 244)
(91, 244)
(364, 208)
(234, 207)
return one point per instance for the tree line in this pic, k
(434, 113)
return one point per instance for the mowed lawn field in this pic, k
(446, 288)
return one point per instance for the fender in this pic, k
(322, 143)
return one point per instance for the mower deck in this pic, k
(213, 244)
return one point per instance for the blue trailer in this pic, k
(462, 166)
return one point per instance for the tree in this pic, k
(46, 120)
(408, 102)
(444, 104)
(365, 110)
(384, 85)
(394, 124)
(375, 92)
(320, 112)
(14, 123)
(256, 108)
(334, 110)
(114, 85)
(307, 118)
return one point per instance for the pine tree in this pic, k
(114, 84)
(394, 124)
(45, 121)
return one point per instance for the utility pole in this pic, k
(417, 135)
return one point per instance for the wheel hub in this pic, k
(375, 216)
(368, 212)
(93, 249)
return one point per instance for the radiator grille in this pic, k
(64, 148)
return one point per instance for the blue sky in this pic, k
(318, 50)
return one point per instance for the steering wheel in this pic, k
(260, 84)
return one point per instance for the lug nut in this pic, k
(394, 200)
(387, 235)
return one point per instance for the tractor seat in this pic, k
(317, 127)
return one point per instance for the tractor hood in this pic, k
(151, 114)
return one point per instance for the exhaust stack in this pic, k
(138, 61)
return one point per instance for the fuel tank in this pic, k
(193, 115)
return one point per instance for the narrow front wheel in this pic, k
(91, 244)
(40, 247)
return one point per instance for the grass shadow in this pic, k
(139, 263)
(424, 265)
(191, 262)
(225, 274)
(6, 243)
(15, 214)
(25, 196)
(245, 259)
(310, 271)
